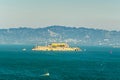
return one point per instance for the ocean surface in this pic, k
(93, 63)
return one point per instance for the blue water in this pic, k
(93, 63)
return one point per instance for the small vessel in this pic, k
(24, 49)
(56, 47)
(46, 74)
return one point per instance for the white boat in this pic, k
(23, 49)
(46, 74)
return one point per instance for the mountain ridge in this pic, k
(71, 35)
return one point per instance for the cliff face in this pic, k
(71, 35)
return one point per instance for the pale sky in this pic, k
(102, 14)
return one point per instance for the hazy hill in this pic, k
(71, 35)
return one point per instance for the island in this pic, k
(56, 47)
